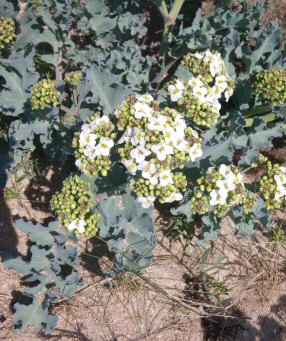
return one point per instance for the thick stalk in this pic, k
(258, 111)
(176, 9)
(169, 22)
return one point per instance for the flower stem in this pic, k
(263, 109)
(169, 22)
(75, 97)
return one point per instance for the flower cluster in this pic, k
(154, 143)
(74, 208)
(220, 189)
(73, 78)
(45, 94)
(270, 85)
(272, 185)
(93, 145)
(198, 97)
(7, 29)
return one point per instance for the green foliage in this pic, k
(86, 36)
(71, 59)
(49, 272)
(130, 231)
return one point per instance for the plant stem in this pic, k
(75, 97)
(263, 109)
(68, 111)
(164, 9)
(176, 9)
(169, 22)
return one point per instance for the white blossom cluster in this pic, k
(155, 142)
(93, 145)
(226, 184)
(199, 96)
(218, 190)
(280, 180)
(272, 185)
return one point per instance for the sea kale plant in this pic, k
(183, 129)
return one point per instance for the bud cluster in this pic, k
(45, 94)
(272, 185)
(73, 78)
(198, 97)
(74, 208)
(220, 189)
(270, 86)
(93, 145)
(7, 32)
(155, 143)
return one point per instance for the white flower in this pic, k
(195, 152)
(214, 93)
(86, 128)
(221, 82)
(169, 133)
(139, 153)
(225, 170)
(81, 166)
(226, 184)
(146, 98)
(208, 55)
(146, 201)
(179, 124)
(130, 166)
(135, 136)
(126, 137)
(99, 121)
(216, 106)
(91, 152)
(280, 179)
(77, 224)
(176, 90)
(218, 197)
(87, 139)
(215, 66)
(195, 82)
(180, 143)
(102, 120)
(280, 192)
(162, 150)
(174, 197)
(104, 146)
(142, 110)
(198, 55)
(283, 169)
(157, 123)
(239, 177)
(228, 93)
(200, 93)
(165, 178)
(149, 172)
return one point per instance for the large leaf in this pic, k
(17, 88)
(37, 233)
(105, 90)
(35, 314)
